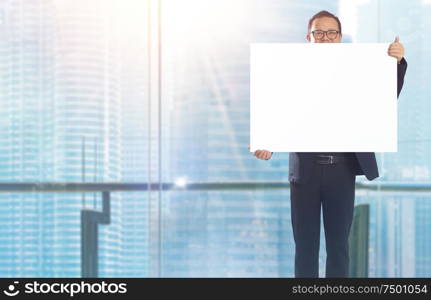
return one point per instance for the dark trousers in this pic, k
(331, 186)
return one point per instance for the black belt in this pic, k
(330, 159)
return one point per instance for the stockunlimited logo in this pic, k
(11, 290)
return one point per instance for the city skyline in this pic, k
(78, 105)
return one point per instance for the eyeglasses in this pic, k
(319, 34)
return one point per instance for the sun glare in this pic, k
(199, 17)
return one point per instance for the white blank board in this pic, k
(323, 97)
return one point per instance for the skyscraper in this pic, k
(61, 121)
(225, 233)
(399, 230)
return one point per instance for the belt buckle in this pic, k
(330, 159)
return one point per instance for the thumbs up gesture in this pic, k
(396, 49)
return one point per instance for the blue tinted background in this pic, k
(93, 91)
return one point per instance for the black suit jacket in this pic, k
(301, 163)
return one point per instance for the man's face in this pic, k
(324, 23)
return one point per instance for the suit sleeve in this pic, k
(401, 72)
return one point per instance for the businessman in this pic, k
(327, 179)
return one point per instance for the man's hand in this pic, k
(396, 49)
(262, 154)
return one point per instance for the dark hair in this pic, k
(322, 14)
